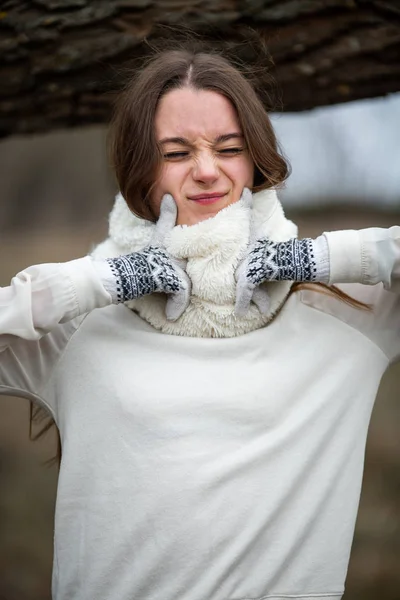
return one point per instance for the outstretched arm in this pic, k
(367, 256)
(42, 296)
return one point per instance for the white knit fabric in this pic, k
(213, 249)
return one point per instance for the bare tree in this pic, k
(60, 59)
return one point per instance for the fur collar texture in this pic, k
(213, 249)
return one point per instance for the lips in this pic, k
(207, 198)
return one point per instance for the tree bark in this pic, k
(61, 59)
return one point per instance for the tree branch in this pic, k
(61, 59)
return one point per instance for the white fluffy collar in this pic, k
(213, 248)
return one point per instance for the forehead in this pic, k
(192, 114)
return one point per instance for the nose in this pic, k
(205, 169)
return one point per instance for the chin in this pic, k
(207, 213)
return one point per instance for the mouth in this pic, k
(208, 198)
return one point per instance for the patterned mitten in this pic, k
(294, 260)
(150, 270)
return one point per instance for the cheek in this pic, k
(242, 173)
(171, 178)
(170, 181)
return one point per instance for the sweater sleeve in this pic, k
(32, 310)
(370, 257)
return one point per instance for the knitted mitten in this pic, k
(265, 260)
(150, 270)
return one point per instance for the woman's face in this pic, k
(206, 163)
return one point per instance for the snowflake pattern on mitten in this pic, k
(142, 273)
(281, 261)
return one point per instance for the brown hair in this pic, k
(329, 290)
(134, 151)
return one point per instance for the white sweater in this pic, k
(199, 468)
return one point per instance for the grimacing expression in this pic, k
(206, 163)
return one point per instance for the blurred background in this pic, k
(55, 195)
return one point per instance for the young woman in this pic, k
(212, 413)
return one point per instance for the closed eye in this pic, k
(180, 155)
(231, 151)
(175, 155)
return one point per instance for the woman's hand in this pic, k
(153, 269)
(293, 260)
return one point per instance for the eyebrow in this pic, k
(184, 142)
